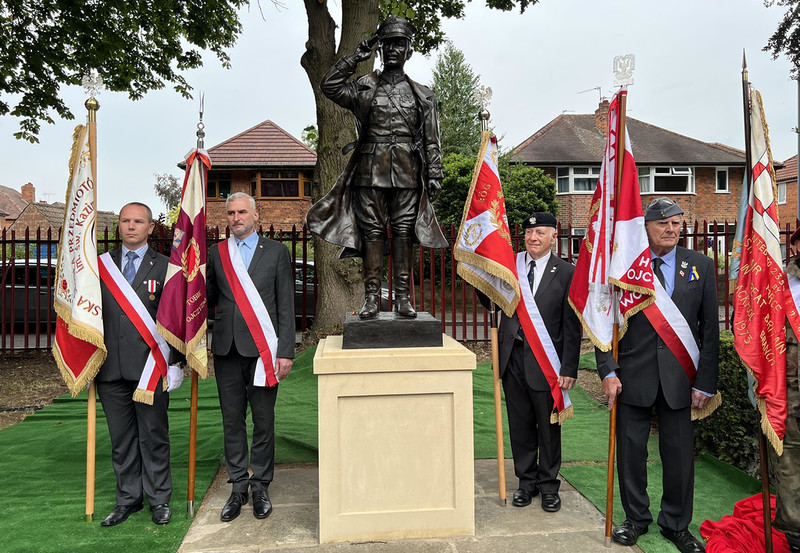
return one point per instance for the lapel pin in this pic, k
(682, 273)
(684, 264)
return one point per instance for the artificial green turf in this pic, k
(42, 469)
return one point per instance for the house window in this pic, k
(781, 192)
(722, 179)
(576, 179)
(219, 185)
(668, 180)
(281, 183)
(578, 235)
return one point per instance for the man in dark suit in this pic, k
(237, 358)
(139, 432)
(648, 375)
(535, 441)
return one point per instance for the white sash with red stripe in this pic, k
(156, 365)
(540, 342)
(255, 313)
(671, 326)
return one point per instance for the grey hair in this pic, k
(238, 195)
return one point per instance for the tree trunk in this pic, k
(341, 288)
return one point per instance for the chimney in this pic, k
(28, 193)
(601, 117)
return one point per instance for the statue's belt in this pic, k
(393, 139)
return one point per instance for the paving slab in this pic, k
(294, 523)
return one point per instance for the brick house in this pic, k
(44, 216)
(786, 178)
(12, 202)
(271, 165)
(704, 177)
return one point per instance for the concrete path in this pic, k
(294, 524)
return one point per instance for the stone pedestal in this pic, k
(396, 456)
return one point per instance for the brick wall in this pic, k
(31, 219)
(787, 213)
(280, 213)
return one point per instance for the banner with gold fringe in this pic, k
(759, 332)
(78, 347)
(183, 310)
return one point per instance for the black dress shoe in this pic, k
(262, 506)
(233, 506)
(683, 540)
(120, 514)
(161, 513)
(551, 502)
(522, 498)
(627, 533)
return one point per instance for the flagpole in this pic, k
(483, 115)
(612, 420)
(195, 379)
(92, 105)
(766, 504)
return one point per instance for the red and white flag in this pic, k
(483, 250)
(615, 249)
(487, 261)
(78, 347)
(183, 308)
(759, 312)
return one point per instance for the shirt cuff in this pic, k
(702, 392)
(609, 375)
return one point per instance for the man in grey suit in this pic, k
(649, 376)
(139, 432)
(535, 441)
(237, 354)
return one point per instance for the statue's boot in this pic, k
(373, 263)
(401, 267)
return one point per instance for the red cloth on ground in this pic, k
(744, 531)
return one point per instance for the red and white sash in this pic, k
(671, 326)
(540, 342)
(156, 365)
(792, 301)
(249, 302)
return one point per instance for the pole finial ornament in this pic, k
(623, 70)
(92, 83)
(201, 133)
(483, 95)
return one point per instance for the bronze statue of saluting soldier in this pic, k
(394, 172)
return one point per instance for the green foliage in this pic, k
(310, 137)
(454, 84)
(525, 189)
(786, 38)
(134, 46)
(731, 432)
(168, 188)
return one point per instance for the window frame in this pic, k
(727, 173)
(566, 174)
(303, 180)
(781, 186)
(651, 172)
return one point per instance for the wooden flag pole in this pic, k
(192, 445)
(92, 105)
(612, 422)
(498, 410)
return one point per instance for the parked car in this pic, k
(27, 296)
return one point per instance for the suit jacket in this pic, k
(644, 359)
(562, 325)
(127, 351)
(272, 274)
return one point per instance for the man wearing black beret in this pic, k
(535, 440)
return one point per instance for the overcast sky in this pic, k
(687, 79)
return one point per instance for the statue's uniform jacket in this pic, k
(333, 217)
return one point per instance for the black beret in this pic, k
(539, 219)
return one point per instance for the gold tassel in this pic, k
(714, 402)
(561, 417)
